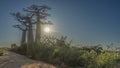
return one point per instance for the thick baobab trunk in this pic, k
(38, 30)
(30, 41)
(30, 34)
(23, 40)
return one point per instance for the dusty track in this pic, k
(13, 60)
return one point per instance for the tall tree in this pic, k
(25, 24)
(23, 39)
(22, 25)
(40, 12)
(30, 30)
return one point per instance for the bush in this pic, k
(1, 51)
(60, 53)
(19, 49)
(107, 59)
(69, 56)
(23, 49)
(14, 48)
(43, 52)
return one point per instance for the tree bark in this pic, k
(38, 30)
(30, 40)
(23, 40)
(30, 34)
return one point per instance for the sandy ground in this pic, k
(13, 60)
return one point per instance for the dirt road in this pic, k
(13, 60)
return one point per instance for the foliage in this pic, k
(1, 51)
(14, 47)
(19, 49)
(58, 52)
(107, 59)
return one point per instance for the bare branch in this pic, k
(18, 26)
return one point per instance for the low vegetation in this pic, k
(1, 51)
(60, 53)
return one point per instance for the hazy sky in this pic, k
(84, 21)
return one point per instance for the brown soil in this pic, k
(13, 60)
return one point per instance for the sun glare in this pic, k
(47, 29)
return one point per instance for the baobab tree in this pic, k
(26, 23)
(24, 30)
(22, 26)
(30, 30)
(40, 13)
(34, 15)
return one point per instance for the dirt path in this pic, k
(13, 60)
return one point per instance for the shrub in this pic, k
(23, 49)
(107, 59)
(1, 51)
(14, 48)
(59, 52)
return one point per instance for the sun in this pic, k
(47, 29)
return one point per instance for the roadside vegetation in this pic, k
(60, 53)
(2, 51)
